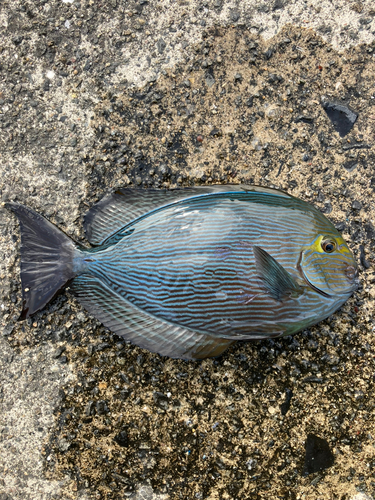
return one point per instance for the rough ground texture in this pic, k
(97, 95)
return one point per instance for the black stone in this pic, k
(215, 132)
(313, 380)
(362, 257)
(304, 119)
(122, 438)
(209, 78)
(284, 407)
(161, 45)
(341, 116)
(273, 78)
(318, 455)
(268, 54)
(278, 4)
(58, 352)
(355, 145)
(161, 400)
(250, 101)
(350, 165)
(101, 407)
(370, 231)
(89, 410)
(234, 15)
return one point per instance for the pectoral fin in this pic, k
(278, 282)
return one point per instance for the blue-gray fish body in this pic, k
(186, 273)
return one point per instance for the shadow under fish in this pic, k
(188, 272)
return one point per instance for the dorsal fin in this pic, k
(122, 206)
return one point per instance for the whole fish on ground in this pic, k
(188, 272)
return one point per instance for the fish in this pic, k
(188, 272)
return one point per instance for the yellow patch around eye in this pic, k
(317, 245)
(341, 245)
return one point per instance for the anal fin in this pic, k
(139, 327)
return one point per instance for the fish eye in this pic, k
(329, 246)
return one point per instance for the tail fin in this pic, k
(46, 259)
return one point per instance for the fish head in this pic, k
(328, 266)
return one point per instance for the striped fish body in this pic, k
(192, 263)
(208, 267)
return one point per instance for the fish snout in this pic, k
(351, 273)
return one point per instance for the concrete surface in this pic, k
(65, 68)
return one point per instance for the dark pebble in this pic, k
(355, 145)
(58, 352)
(341, 116)
(304, 119)
(356, 205)
(362, 257)
(215, 132)
(89, 410)
(370, 231)
(318, 455)
(122, 438)
(273, 78)
(101, 407)
(313, 380)
(209, 79)
(278, 4)
(350, 165)
(268, 54)
(102, 347)
(160, 44)
(284, 407)
(161, 400)
(327, 209)
(17, 40)
(234, 15)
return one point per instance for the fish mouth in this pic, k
(304, 277)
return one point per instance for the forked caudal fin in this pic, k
(46, 259)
